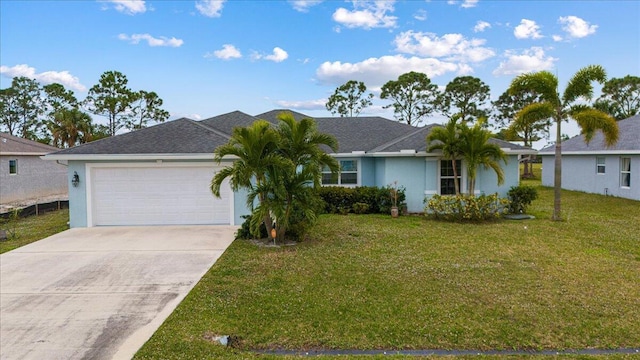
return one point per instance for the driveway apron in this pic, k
(100, 293)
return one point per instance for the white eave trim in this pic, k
(594, 152)
(15, 153)
(127, 157)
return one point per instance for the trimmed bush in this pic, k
(245, 230)
(521, 197)
(341, 200)
(466, 207)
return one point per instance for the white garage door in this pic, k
(157, 196)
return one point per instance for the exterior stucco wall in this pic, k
(487, 180)
(579, 173)
(410, 173)
(368, 172)
(35, 178)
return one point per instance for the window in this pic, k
(348, 174)
(600, 162)
(625, 172)
(13, 167)
(447, 186)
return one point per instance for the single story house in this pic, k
(596, 168)
(161, 175)
(24, 175)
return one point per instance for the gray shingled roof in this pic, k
(182, 136)
(628, 139)
(185, 136)
(10, 144)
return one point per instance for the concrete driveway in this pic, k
(100, 293)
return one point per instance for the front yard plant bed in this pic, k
(372, 282)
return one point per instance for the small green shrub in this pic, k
(341, 200)
(466, 207)
(245, 230)
(521, 197)
(360, 208)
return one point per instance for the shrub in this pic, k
(521, 197)
(466, 207)
(245, 230)
(340, 200)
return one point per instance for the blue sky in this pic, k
(205, 58)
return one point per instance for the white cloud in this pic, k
(129, 7)
(528, 29)
(318, 104)
(481, 26)
(533, 59)
(227, 52)
(278, 55)
(47, 77)
(420, 15)
(576, 27)
(557, 38)
(377, 71)
(448, 46)
(304, 5)
(152, 41)
(465, 3)
(367, 15)
(210, 8)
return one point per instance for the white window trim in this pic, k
(462, 176)
(625, 172)
(603, 165)
(358, 173)
(16, 166)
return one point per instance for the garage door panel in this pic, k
(157, 196)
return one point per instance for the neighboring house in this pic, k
(161, 175)
(598, 169)
(24, 175)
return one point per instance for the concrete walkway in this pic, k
(100, 293)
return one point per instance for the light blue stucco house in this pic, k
(161, 175)
(596, 168)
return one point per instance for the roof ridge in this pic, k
(215, 131)
(401, 138)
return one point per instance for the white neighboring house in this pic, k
(24, 175)
(595, 168)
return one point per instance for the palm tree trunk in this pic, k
(557, 178)
(455, 177)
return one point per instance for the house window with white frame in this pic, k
(447, 185)
(348, 174)
(13, 167)
(625, 172)
(600, 165)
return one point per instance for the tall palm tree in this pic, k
(447, 139)
(563, 107)
(477, 151)
(253, 150)
(70, 127)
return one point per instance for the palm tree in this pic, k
(254, 151)
(476, 150)
(70, 127)
(447, 139)
(560, 108)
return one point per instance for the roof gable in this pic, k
(13, 145)
(628, 139)
(227, 122)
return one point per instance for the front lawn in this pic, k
(34, 228)
(373, 282)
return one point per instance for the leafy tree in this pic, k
(527, 129)
(620, 97)
(111, 98)
(255, 149)
(21, 108)
(146, 108)
(465, 96)
(447, 139)
(563, 107)
(56, 98)
(477, 151)
(349, 99)
(70, 127)
(413, 96)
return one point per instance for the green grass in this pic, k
(34, 228)
(373, 282)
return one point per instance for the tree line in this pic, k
(52, 114)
